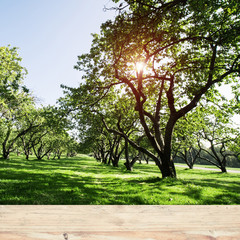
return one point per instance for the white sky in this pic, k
(50, 34)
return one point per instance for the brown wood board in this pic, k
(87, 222)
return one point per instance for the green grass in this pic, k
(207, 166)
(82, 180)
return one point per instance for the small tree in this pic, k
(17, 122)
(15, 101)
(217, 135)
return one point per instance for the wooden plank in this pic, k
(119, 222)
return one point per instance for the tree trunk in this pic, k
(6, 154)
(168, 168)
(103, 156)
(188, 162)
(127, 163)
(130, 164)
(97, 156)
(145, 157)
(165, 162)
(5, 151)
(223, 168)
(115, 161)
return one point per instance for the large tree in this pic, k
(165, 55)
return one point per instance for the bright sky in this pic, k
(50, 34)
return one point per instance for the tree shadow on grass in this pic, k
(54, 189)
(75, 181)
(228, 191)
(24, 185)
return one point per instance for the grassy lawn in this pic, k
(207, 166)
(82, 180)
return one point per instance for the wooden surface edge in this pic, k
(119, 222)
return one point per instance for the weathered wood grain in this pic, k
(119, 222)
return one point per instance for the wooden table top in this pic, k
(119, 222)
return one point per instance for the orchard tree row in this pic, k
(150, 89)
(151, 82)
(24, 127)
(112, 132)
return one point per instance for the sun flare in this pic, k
(140, 66)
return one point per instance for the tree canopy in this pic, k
(166, 56)
(23, 126)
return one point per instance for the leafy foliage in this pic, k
(186, 48)
(22, 125)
